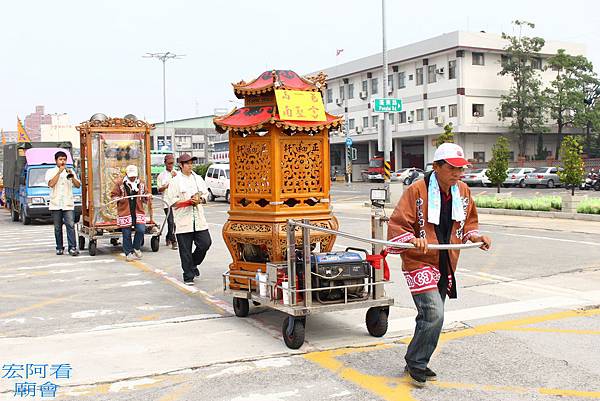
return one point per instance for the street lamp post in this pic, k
(386, 134)
(164, 57)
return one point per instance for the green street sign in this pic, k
(387, 105)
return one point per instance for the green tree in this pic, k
(564, 97)
(589, 117)
(446, 136)
(524, 102)
(498, 165)
(201, 169)
(572, 163)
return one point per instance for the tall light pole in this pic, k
(386, 134)
(164, 57)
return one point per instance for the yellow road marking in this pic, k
(150, 317)
(399, 388)
(550, 330)
(35, 306)
(177, 394)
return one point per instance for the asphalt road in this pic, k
(526, 324)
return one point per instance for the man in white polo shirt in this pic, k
(162, 183)
(185, 194)
(61, 180)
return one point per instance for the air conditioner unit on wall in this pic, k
(339, 101)
(410, 119)
(439, 120)
(359, 129)
(440, 70)
(390, 91)
(363, 94)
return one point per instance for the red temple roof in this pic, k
(278, 79)
(254, 118)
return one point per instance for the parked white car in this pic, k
(476, 177)
(217, 181)
(516, 176)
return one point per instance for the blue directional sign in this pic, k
(348, 141)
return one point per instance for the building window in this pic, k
(402, 118)
(504, 60)
(452, 111)
(365, 86)
(374, 86)
(329, 95)
(375, 120)
(350, 91)
(432, 112)
(452, 69)
(419, 114)
(477, 110)
(390, 82)
(431, 78)
(478, 58)
(391, 118)
(341, 93)
(506, 111)
(401, 80)
(419, 74)
(442, 109)
(479, 157)
(536, 63)
(410, 77)
(365, 122)
(351, 123)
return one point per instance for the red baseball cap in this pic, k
(452, 154)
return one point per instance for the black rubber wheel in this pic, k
(296, 338)
(92, 247)
(241, 307)
(14, 214)
(155, 243)
(81, 242)
(522, 184)
(227, 196)
(377, 321)
(550, 184)
(406, 181)
(26, 220)
(211, 197)
(114, 241)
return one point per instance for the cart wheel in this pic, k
(241, 307)
(92, 247)
(155, 243)
(293, 332)
(377, 321)
(114, 241)
(81, 242)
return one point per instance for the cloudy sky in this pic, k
(83, 57)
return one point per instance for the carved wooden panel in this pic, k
(302, 166)
(252, 167)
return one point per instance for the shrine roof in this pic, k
(255, 118)
(278, 79)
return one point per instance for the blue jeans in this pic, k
(128, 247)
(430, 319)
(66, 217)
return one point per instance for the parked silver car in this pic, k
(476, 177)
(405, 175)
(516, 176)
(547, 176)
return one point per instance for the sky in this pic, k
(85, 57)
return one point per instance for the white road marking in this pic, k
(129, 384)
(153, 307)
(157, 322)
(135, 283)
(543, 238)
(93, 313)
(62, 264)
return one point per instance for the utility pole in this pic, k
(386, 134)
(164, 57)
(347, 145)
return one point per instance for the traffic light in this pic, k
(352, 153)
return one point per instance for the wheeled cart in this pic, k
(108, 146)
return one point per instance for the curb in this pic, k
(547, 215)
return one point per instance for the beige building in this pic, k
(60, 129)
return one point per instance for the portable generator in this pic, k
(333, 269)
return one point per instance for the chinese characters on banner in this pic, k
(300, 105)
(26, 378)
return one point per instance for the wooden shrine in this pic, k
(280, 169)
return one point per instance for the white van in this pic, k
(217, 181)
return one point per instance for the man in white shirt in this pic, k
(162, 183)
(61, 180)
(185, 194)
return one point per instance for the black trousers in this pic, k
(190, 260)
(170, 225)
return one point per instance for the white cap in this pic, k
(132, 171)
(452, 154)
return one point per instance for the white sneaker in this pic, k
(130, 257)
(138, 253)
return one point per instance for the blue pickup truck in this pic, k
(25, 167)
